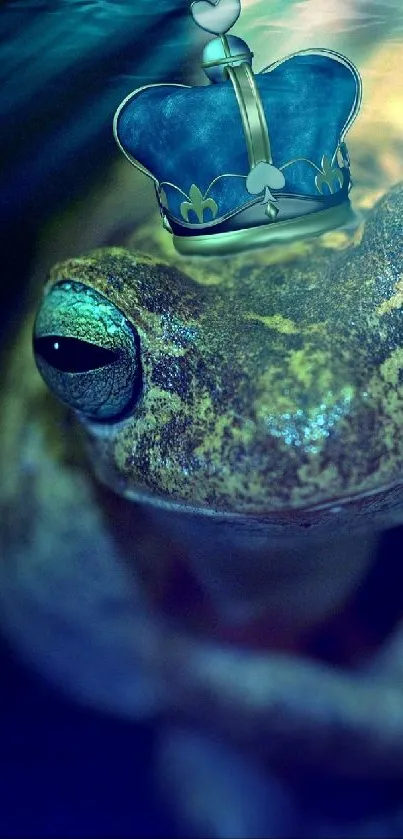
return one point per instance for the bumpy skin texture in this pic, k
(266, 387)
(248, 345)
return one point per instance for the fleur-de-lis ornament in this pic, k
(329, 176)
(198, 203)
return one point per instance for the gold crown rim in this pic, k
(233, 241)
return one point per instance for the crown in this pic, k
(250, 158)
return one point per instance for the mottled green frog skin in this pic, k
(269, 384)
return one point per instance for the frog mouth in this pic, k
(378, 508)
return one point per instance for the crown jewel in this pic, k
(250, 158)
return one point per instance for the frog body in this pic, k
(260, 447)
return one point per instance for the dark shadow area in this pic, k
(69, 771)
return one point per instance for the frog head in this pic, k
(235, 385)
(257, 397)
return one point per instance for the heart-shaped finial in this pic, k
(216, 17)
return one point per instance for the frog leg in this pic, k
(215, 791)
(295, 711)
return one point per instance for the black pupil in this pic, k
(70, 355)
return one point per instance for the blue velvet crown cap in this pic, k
(213, 196)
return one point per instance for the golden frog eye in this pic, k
(87, 352)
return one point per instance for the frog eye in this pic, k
(87, 352)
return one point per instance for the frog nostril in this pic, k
(87, 352)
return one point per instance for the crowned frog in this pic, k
(242, 419)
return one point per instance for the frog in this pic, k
(196, 480)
